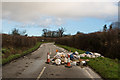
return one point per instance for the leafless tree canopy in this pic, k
(49, 33)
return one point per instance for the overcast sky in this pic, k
(52, 15)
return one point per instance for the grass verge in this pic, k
(15, 56)
(71, 48)
(106, 67)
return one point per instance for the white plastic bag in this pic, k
(58, 61)
(76, 53)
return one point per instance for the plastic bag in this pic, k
(58, 61)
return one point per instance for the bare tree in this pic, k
(105, 28)
(110, 27)
(61, 31)
(15, 31)
(45, 32)
(53, 33)
(49, 33)
(18, 32)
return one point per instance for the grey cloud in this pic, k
(30, 12)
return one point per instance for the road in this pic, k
(33, 67)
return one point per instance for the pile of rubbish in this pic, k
(71, 58)
(62, 58)
(91, 55)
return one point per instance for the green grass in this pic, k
(106, 67)
(71, 48)
(10, 58)
(15, 56)
(5, 50)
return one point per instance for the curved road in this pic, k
(33, 67)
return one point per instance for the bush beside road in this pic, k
(15, 56)
(106, 67)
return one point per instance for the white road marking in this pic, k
(40, 73)
(89, 74)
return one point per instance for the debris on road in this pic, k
(73, 63)
(68, 62)
(83, 62)
(57, 61)
(56, 50)
(48, 58)
(70, 59)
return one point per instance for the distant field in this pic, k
(106, 67)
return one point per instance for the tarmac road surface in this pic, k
(33, 67)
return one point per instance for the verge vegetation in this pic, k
(17, 55)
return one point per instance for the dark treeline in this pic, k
(107, 42)
(53, 34)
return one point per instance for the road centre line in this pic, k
(41, 73)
